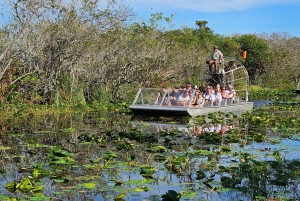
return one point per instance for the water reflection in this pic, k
(189, 130)
(261, 103)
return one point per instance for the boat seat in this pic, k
(229, 101)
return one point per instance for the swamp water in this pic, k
(91, 157)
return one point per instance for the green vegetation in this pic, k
(274, 94)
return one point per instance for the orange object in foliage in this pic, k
(244, 54)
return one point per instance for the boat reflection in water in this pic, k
(192, 133)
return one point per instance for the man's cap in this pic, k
(215, 47)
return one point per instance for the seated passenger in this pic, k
(195, 98)
(216, 57)
(191, 93)
(167, 99)
(224, 93)
(218, 86)
(188, 86)
(183, 99)
(199, 100)
(174, 95)
(218, 96)
(160, 96)
(209, 96)
(231, 92)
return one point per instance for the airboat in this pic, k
(231, 71)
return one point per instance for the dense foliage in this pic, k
(55, 52)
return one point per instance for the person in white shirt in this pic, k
(218, 96)
(183, 99)
(209, 96)
(231, 92)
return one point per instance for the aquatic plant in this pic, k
(125, 161)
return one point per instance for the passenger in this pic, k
(185, 87)
(208, 85)
(183, 99)
(224, 93)
(218, 86)
(195, 98)
(231, 92)
(199, 91)
(167, 100)
(188, 86)
(174, 95)
(209, 97)
(216, 57)
(218, 96)
(191, 93)
(160, 95)
(199, 100)
(182, 89)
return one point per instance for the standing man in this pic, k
(216, 57)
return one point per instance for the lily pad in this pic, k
(4, 148)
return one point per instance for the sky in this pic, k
(227, 17)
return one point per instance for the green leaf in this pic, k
(120, 196)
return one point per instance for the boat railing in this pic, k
(158, 97)
(238, 78)
(153, 97)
